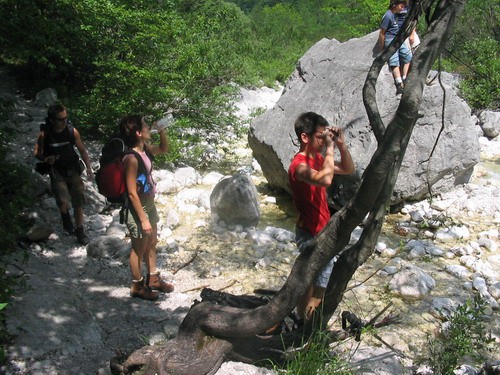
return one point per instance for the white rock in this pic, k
(390, 270)
(388, 253)
(494, 290)
(480, 285)
(417, 216)
(270, 200)
(488, 244)
(449, 255)
(412, 282)
(212, 178)
(442, 308)
(452, 233)
(260, 238)
(459, 271)
(215, 271)
(186, 176)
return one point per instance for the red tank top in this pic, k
(310, 200)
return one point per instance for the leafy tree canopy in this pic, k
(112, 57)
(107, 58)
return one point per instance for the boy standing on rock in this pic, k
(399, 62)
(310, 173)
(55, 147)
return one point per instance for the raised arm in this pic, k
(346, 164)
(324, 175)
(163, 147)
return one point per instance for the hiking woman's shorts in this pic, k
(67, 188)
(402, 56)
(303, 238)
(132, 220)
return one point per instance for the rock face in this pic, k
(329, 80)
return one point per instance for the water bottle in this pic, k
(163, 123)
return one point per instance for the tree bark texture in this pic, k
(211, 334)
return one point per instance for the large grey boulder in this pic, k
(329, 80)
(234, 200)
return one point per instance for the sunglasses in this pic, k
(63, 119)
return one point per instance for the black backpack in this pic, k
(67, 159)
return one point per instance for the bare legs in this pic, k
(310, 301)
(143, 249)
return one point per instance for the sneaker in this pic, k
(81, 236)
(399, 88)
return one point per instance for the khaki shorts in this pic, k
(132, 221)
(67, 188)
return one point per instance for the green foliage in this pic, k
(165, 60)
(110, 58)
(481, 86)
(474, 52)
(277, 26)
(315, 358)
(463, 335)
(284, 30)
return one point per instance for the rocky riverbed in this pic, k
(75, 312)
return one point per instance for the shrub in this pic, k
(464, 334)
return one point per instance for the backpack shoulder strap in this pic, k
(142, 166)
(45, 129)
(71, 132)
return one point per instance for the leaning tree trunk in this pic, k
(211, 334)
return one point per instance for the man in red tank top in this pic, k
(309, 174)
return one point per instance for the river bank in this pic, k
(76, 313)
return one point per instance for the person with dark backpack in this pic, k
(141, 216)
(55, 147)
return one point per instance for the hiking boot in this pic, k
(399, 88)
(67, 223)
(155, 282)
(81, 236)
(139, 290)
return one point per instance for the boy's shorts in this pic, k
(132, 220)
(302, 238)
(402, 56)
